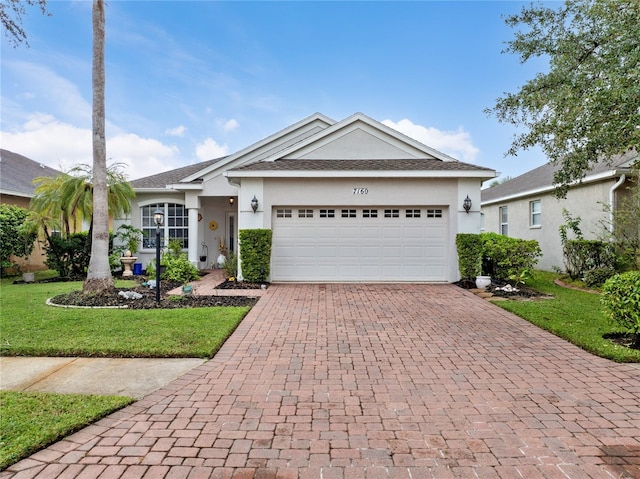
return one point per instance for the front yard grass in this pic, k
(573, 315)
(28, 327)
(31, 421)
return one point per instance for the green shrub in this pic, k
(621, 298)
(69, 256)
(597, 277)
(469, 247)
(17, 235)
(255, 254)
(582, 255)
(505, 257)
(178, 268)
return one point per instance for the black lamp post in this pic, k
(158, 219)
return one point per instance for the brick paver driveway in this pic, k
(368, 381)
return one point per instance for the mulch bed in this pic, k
(148, 300)
(521, 292)
(241, 285)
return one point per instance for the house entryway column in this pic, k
(193, 236)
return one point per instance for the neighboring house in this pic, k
(352, 200)
(525, 207)
(17, 173)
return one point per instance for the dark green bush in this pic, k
(582, 255)
(17, 237)
(621, 298)
(469, 247)
(598, 276)
(69, 256)
(504, 257)
(255, 254)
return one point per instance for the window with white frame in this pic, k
(504, 220)
(535, 217)
(175, 225)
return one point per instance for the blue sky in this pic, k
(189, 81)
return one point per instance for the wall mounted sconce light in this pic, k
(231, 200)
(466, 204)
(254, 204)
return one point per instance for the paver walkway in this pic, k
(372, 381)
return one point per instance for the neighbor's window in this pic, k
(175, 226)
(535, 208)
(504, 220)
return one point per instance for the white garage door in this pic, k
(359, 244)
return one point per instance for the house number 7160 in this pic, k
(361, 191)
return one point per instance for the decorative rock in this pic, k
(130, 295)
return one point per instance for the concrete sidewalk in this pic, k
(102, 376)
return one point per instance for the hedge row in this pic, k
(498, 256)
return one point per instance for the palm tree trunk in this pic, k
(99, 275)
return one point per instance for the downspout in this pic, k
(612, 190)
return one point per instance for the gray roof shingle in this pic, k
(161, 180)
(361, 165)
(17, 173)
(542, 177)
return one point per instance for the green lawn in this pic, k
(573, 315)
(28, 327)
(32, 421)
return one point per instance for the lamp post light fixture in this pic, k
(158, 219)
(254, 204)
(466, 204)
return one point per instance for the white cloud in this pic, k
(209, 149)
(456, 143)
(60, 145)
(177, 131)
(230, 125)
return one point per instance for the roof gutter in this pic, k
(612, 191)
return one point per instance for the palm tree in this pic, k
(65, 201)
(99, 276)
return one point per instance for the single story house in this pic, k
(17, 173)
(525, 207)
(347, 201)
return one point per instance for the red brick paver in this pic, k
(367, 381)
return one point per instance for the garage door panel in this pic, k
(359, 248)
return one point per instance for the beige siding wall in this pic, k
(584, 201)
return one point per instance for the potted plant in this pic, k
(130, 237)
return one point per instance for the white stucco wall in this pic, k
(584, 201)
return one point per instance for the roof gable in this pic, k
(268, 146)
(17, 173)
(359, 137)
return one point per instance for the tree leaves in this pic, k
(586, 108)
